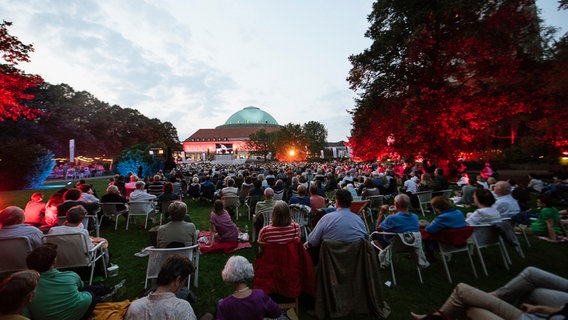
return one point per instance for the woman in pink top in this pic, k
(224, 232)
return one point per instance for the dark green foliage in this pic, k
(23, 164)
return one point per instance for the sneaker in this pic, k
(142, 253)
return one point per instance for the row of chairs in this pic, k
(133, 209)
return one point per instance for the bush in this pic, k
(24, 164)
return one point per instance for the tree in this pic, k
(444, 77)
(261, 143)
(316, 134)
(14, 83)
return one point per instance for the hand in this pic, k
(384, 207)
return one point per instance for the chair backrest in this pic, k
(424, 196)
(109, 208)
(13, 253)
(266, 215)
(375, 201)
(358, 206)
(140, 207)
(231, 201)
(71, 249)
(486, 235)
(448, 193)
(166, 205)
(157, 257)
(299, 213)
(279, 195)
(453, 237)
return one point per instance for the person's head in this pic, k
(85, 187)
(439, 172)
(168, 187)
(55, 199)
(133, 178)
(483, 198)
(502, 188)
(76, 214)
(369, 184)
(279, 183)
(112, 189)
(177, 210)
(491, 180)
(237, 270)
(157, 178)
(257, 184)
(12, 215)
(545, 201)
(343, 198)
(426, 179)
(441, 203)
(313, 189)
(37, 197)
(218, 206)
(302, 191)
(268, 194)
(72, 194)
(402, 202)
(230, 182)
(17, 291)
(42, 258)
(140, 185)
(175, 268)
(281, 214)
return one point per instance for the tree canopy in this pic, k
(444, 77)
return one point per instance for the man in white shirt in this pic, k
(505, 203)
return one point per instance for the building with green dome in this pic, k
(227, 141)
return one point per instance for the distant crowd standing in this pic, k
(325, 191)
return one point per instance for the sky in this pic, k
(196, 62)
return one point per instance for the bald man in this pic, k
(12, 219)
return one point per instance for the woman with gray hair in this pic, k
(177, 232)
(244, 303)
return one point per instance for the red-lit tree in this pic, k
(14, 82)
(444, 77)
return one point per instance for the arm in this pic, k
(384, 208)
(529, 308)
(550, 228)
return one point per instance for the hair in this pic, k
(112, 189)
(269, 193)
(302, 191)
(281, 214)
(491, 180)
(168, 187)
(230, 182)
(314, 188)
(257, 184)
(195, 180)
(369, 183)
(343, 198)
(41, 258)
(157, 177)
(484, 197)
(37, 196)
(84, 187)
(504, 187)
(76, 214)
(15, 289)
(237, 270)
(441, 203)
(546, 200)
(12, 215)
(177, 210)
(140, 185)
(426, 180)
(72, 194)
(175, 266)
(55, 200)
(439, 171)
(218, 206)
(403, 200)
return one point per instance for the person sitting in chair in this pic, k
(12, 220)
(402, 221)
(177, 230)
(16, 292)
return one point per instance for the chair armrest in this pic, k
(98, 246)
(384, 232)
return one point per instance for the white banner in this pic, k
(334, 152)
(72, 150)
(322, 156)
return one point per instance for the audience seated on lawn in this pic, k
(163, 303)
(224, 232)
(60, 295)
(244, 303)
(532, 292)
(485, 213)
(12, 220)
(177, 231)
(16, 292)
(35, 210)
(71, 198)
(113, 195)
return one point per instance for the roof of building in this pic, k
(227, 133)
(250, 116)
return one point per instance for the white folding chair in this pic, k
(300, 214)
(110, 211)
(397, 246)
(448, 193)
(13, 253)
(485, 236)
(140, 208)
(267, 219)
(424, 198)
(72, 252)
(232, 202)
(158, 256)
(447, 248)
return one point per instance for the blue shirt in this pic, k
(400, 222)
(449, 219)
(340, 225)
(305, 200)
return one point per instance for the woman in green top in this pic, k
(548, 223)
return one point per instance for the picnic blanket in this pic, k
(204, 241)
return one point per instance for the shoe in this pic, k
(142, 253)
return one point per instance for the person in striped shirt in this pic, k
(283, 229)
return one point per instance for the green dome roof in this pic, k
(250, 116)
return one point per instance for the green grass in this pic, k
(408, 296)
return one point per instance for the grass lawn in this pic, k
(408, 296)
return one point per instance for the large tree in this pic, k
(262, 143)
(316, 134)
(446, 76)
(14, 83)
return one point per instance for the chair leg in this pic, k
(419, 274)
(446, 267)
(469, 254)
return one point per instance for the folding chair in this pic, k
(13, 253)
(300, 214)
(358, 208)
(424, 198)
(157, 257)
(448, 193)
(95, 217)
(451, 241)
(139, 208)
(412, 246)
(110, 211)
(487, 236)
(250, 204)
(72, 252)
(164, 209)
(267, 219)
(375, 203)
(232, 202)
